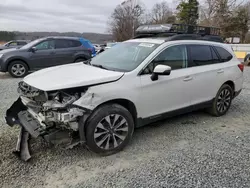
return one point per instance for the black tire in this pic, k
(218, 109)
(80, 60)
(98, 118)
(20, 67)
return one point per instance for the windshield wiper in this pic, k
(100, 66)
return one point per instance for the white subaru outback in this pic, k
(137, 82)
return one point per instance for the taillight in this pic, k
(241, 67)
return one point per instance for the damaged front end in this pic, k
(51, 115)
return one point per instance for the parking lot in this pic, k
(193, 150)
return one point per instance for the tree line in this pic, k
(231, 16)
(6, 35)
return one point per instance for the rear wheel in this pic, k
(109, 129)
(18, 69)
(222, 101)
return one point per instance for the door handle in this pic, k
(220, 71)
(52, 53)
(188, 78)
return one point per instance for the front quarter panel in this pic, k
(128, 87)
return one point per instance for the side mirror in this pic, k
(160, 70)
(33, 49)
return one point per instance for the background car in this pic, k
(44, 52)
(86, 43)
(97, 47)
(13, 44)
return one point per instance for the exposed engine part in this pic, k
(30, 92)
(31, 124)
(63, 117)
(54, 104)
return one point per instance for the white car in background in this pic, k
(110, 45)
(97, 47)
(140, 81)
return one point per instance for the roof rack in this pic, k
(177, 29)
(179, 32)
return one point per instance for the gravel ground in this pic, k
(193, 150)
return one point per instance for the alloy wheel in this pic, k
(18, 69)
(111, 131)
(224, 100)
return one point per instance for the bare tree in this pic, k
(161, 13)
(125, 19)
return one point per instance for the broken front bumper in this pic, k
(17, 114)
(32, 126)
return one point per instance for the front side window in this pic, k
(46, 45)
(174, 56)
(125, 56)
(200, 55)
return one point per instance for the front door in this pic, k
(43, 56)
(168, 93)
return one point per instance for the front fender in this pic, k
(90, 100)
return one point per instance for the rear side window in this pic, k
(61, 43)
(202, 55)
(75, 43)
(224, 54)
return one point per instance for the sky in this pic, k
(59, 15)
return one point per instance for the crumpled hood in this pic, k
(70, 76)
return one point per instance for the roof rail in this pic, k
(176, 29)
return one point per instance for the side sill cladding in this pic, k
(145, 121)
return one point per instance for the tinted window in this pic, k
(62, 44)
(45, 45)
(215, 57)
(224, 54)
(21, 43)
(175, 57)
(74, 43)
(201, 55)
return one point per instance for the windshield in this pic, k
(32, 43)
(125, 56)
(6, 44)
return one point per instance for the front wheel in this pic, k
(222, 101)
(18, 69)
(109, 129)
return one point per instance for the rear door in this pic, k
(65, 51)
(207, 73)
(44, 55)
